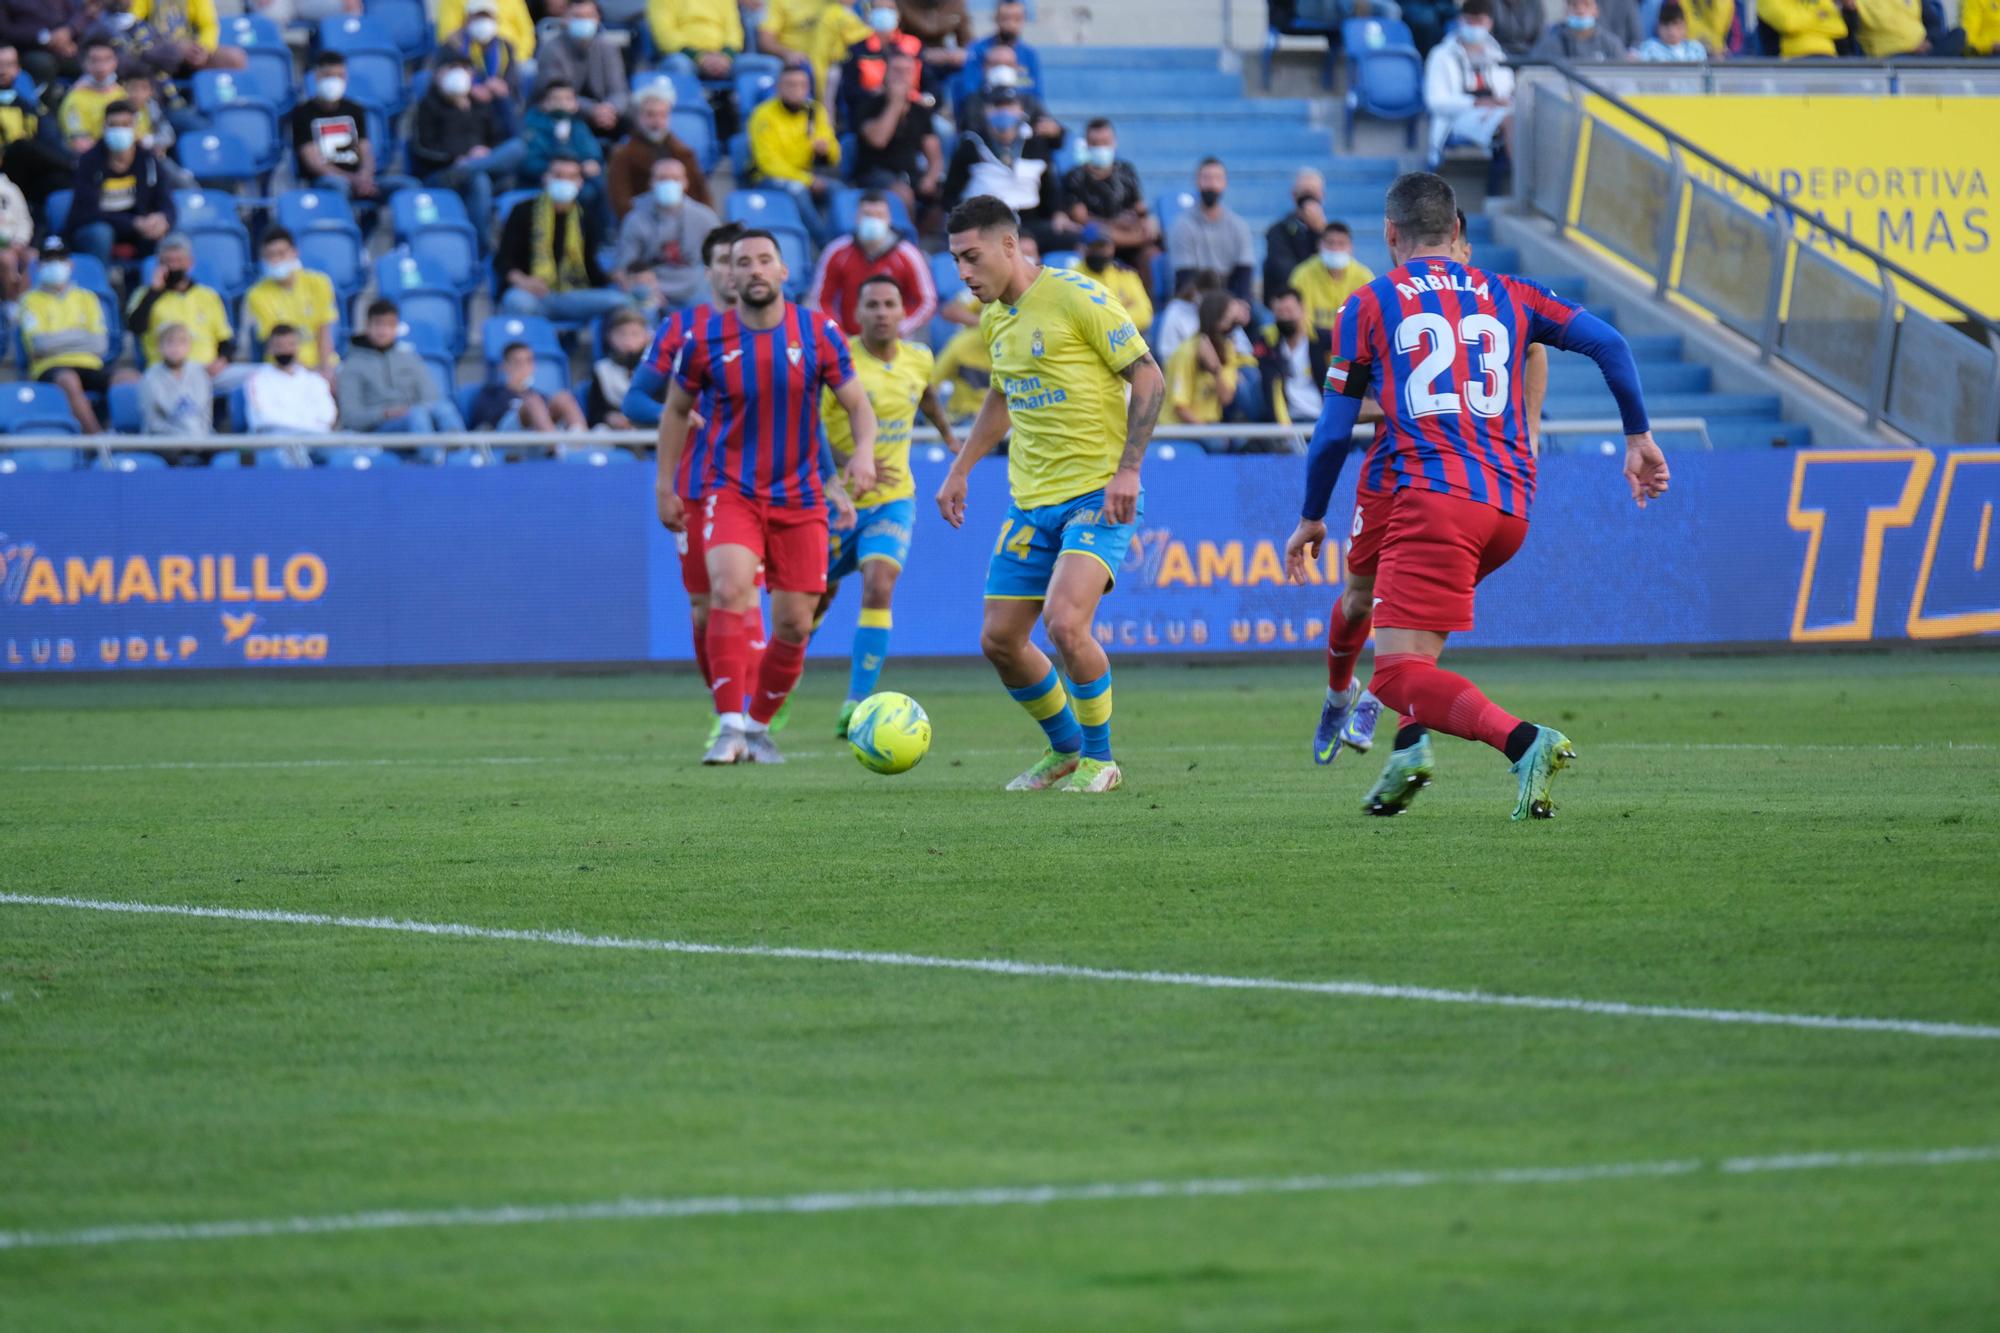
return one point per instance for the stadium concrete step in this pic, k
(1570, 406)
(1571, 374)
(1196, 86)
(1096, 57)
(1079, 110)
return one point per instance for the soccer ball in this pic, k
(890, 733)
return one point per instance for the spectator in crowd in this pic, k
(1011, 160)
(1106, 190)
(555, 129)
(1202, 372)
(175, 395)
(330, 134)
(1100, 261)
(459, 143)
(507, 21)
(1580, 37)
(174, 297)
(1621, 18)
(1325, 281)
(82, 111)
(1010, 27)
(291, 294)
(547, 257)
(793, 147)
(708, 32)
(584, 58)
(659, 243)
(156, 133)
(1670, 42)
(187, 37)
(62, 331)
(1002, 75)
(493, 59)
(32, 153)
(1886, 29)
(1519, 24)
(17, 232)
(1805, 28)
(123, 204)
(867, 67)
(813, 33)
(1980, 22)
(282, 397)
(625, 339)
(1212, 236)
(1294, 238)
(1716, 24)
(873, 249)
(46, 33)
(944, 28)
(385, 386)
(630, 173)
(509, 401)
(1292, 360)
(896, 147)
(1180, 318)
(1469, 89)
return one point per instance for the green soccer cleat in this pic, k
(1094, 775)
(1045, 772)
(1549, 755)
(714, 731)
(1407, 773)
(846, 713)
(782, 716)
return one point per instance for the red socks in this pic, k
(728, 658)
(701, 652)
(1343, 648)
(780, 670)
(759, 640)
(1416, 687)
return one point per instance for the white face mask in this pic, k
(118, 138)
(871, 230)
(1337, 260)
(483, 30)
(1101, 156)
(883, 18)
(669, 193)
(332, 88)
(455, 82)
(582, 30)
(53, 272)
(565, 191)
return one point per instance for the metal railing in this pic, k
(1768, 276)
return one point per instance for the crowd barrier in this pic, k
(268, 568)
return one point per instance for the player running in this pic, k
(1348, 717)
(763, 364)
(897, 377)
(1443, 500)
(1060, 345)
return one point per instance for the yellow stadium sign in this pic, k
(1911, 177)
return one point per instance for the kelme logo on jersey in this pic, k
(1035, 344)
(1123, 334)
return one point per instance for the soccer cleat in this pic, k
(729, 747)
(1358, 732)
(1046, 772)
(1407, 773)
(761, 748)
(714, 731)
(846, 712)
(782, 716)
(1334, 716)
(1549, 755)
(1094, 775)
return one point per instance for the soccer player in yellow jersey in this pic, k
(897, 378)
(1064, 352)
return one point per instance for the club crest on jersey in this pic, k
(1419, 283)
(793, 352)
(1035, 344)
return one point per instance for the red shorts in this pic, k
(1427, 552)
(790, 544)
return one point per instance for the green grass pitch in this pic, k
(1796, 835)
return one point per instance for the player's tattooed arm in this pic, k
(933, 411)
(988, 430)
(674, 422)
(1142, 411)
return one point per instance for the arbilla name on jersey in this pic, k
(1434, 280)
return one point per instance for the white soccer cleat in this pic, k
(730, 747)
(1045, 772)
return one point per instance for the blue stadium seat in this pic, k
(451, 251)
(944, 276)
(1170, 206)
(764, 208)
(1062, 259)
(223, 260)
(250, 31)
(303, 211)
(408, 23)
(375, 78)
(442, 368)
(357, 460)
(1387, 84)
(41, 460)
(56, 210)
(123, 400)
(439, 314)
(845, 204)
(695, 127)
(1374, 34)
(36, 409)
(464, 395)
(215, 157)
(416, 209)
(339, 256)
(217, 88)
(501, 330)
(433, 225)
(753, 86)
(757, 62)
(126, 460)
(795, 247)
(199, 210)
(739, 155)
(348, 33)
(467, 458)
(509, 200)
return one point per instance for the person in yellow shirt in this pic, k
(174, 297)
(1100, 261)
(62, 330)
(817, 32)
(963, 373)
(189, 37)
(1979, 20)
(1804, 27)
(709, 31)
(1202, 374)
(1887, 28)
(515, 24)
(292, 294)
(1325, 281)
(81, 114)
(897, 378)
(793, 147)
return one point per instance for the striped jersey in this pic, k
(763, 401)
(1442, 346)
(660, 359)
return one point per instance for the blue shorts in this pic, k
(1024, 559)
(880, 532)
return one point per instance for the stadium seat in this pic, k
(348, 33)
(764, 208)
(215, 157)
(222, 258)
(126, 460)
(760, 63)
(468, 458)
(375, 78)
(753, 86)
(433, 225)
(196, 210)
(795, 247)
(407, 22)
(56, 210)
(739, 155)
(36, 409)
(1062, 259)
(443, 370)
(41, 460)
(499, 331)
(695, 127)
(1387, 84)
(1170, 206)
(439, 314)
(304, 211)
(845, 205)
(123, 400)
(339, 256)
(412, 210)
(267, 72)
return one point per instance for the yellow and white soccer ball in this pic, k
(890, 733)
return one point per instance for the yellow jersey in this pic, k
(1124, 283)
(1804, 27)
(1890, 27)
(199, 309)
(965, 366)
(1324, 291)
(1981, 19)
(1206, 395)
(306, 305)
(81, 114)
(896, 391)
(517, 25)
(45, 313)
(181, 20)
(1058, 356)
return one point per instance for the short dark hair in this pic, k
(874, 197)
(1209, 162)
(982, 212)
(1098, 123)
(381, 306)
(452, 60)
(1670, 12)
(554, 86)
(121, 107)
(105, 42)
(277, 234)
(625, 314)
(512, 348)
(1282, 293)
(328, 59)
(874, 278)
(721, 238)
(1423, 208)
(1476, 9)
(757, 234)
(280, 330)
(571, 158)
(1337, 229)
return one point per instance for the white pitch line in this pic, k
(1011, 968)
(998, 1196)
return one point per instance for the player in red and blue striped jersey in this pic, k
(1444, 496)
(761, 367)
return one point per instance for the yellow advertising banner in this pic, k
(1912, 177)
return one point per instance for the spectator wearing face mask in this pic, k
(460, 144)
(483, 42)
(1293, 361)
(294, 296)
(793, 147)
(174, 297)
(62, 331)
(1002, 78)
(282, 397)
(1105, 190)
(708, 32)
(625, 339)
(82, 110)
(1012, 159)
(156, 132)
(1670, 43)
(1212, 236)
(1294, 238)
(1100, 261)
(1010, 27)
(1325, 281)
(175, 395)
(123, 204)
(584, 58)
(630, 171)
(1202, 374)
(873, 249)
(1468, 88)
(546, 254)
(1580, 37)
(512, 24)
(660, 241)
(866, 70)
(330, 134)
